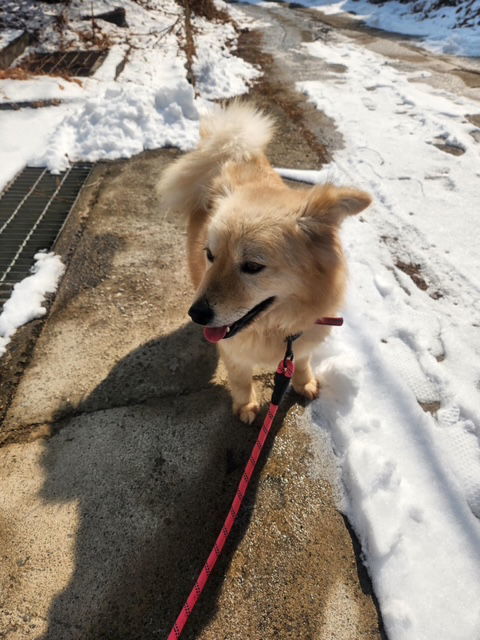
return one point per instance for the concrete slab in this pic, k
(105, 525)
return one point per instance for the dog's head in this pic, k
(273, 255)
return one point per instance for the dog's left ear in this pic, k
(330, 205)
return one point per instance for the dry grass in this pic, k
(207, 9)
(19, 73)
(95, 38)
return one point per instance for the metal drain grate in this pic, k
(75, 63)
(33, 210)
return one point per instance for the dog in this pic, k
(266, 259)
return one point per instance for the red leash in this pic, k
(283, 375)
(282, 378)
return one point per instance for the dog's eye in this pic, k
(251, 267)
(210, 257)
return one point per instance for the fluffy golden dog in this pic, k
(266, 260)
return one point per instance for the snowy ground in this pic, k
(150, 105)
(401, 394)
(447, 29)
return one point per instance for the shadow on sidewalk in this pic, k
(152, 483)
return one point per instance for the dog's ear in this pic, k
(330, 205)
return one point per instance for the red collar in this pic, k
(335, 322)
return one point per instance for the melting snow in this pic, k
(400, 392)
(26, 301)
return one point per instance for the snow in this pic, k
(150, 104)
(452, 30)
(219, 73)
(26, 301)
(9, 35)
(400, 392)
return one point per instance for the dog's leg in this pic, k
(245, 404)
(303, 381)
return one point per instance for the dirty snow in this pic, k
(28, 296)
(454, 29)
(401, 390)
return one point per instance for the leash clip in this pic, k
(285, 371)
(288, 357)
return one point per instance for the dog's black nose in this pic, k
(201, 312)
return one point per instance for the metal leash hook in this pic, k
(284, 372)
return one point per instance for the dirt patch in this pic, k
(290, 109)
(474, 118)
(14, 361)
(207, 9)
(20, 73)
(430, 407)
(36, 104)
(204, 9)
(413, 270)
(448, 147)
(189, 44)
(471, 78)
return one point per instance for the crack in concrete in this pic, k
(20, 433)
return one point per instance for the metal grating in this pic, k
(74, 63)
(33, 210)
(29, 104)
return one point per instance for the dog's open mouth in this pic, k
(215, 334)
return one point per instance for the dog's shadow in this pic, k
(152, 461)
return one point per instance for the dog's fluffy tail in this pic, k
(237, 132)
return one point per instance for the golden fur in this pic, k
(240, 209)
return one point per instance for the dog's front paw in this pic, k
(246, 412)
(310, 389)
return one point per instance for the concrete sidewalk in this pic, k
(121, 458)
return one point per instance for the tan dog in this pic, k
(266, 259)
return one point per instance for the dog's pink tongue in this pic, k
(215, 334)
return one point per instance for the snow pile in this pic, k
(219, 73)
(452, 28)
(401, 380)
(28, 296)
(123, 120)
